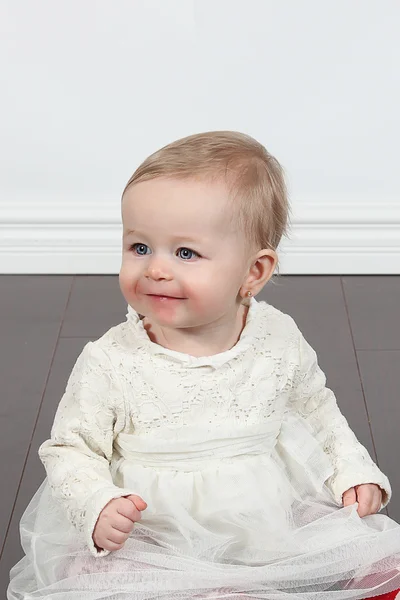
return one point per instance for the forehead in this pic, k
(189, 207)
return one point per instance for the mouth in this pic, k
(162, 297)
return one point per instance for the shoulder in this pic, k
(97, 367)
(285, 334)
(119, 340)
(275, 323)
(275, 334)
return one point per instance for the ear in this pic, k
(261, 270)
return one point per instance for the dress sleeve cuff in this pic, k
(94, 507)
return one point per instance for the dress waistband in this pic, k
(187, 453)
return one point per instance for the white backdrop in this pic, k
(90, 87)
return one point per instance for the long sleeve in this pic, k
(317, 404)
(77, 457)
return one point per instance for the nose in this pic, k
(158, 271)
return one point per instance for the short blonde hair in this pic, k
(255, 178)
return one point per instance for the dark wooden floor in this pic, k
(353, 323)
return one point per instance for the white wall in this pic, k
(90, 87)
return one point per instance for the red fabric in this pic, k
(389, 596)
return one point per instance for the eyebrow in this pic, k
(185, 238)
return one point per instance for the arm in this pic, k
(78, 454)
(317, 404)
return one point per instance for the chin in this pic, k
(172, 321)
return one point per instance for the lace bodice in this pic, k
(124, 383)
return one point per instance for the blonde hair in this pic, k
(255, 178)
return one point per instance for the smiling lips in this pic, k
(164, 297)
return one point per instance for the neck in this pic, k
(206, 340)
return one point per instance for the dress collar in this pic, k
(246, 338)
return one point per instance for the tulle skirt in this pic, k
(251, 525)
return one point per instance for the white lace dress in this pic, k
(242, 458)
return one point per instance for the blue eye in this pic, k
(186, 253)
(140, 249)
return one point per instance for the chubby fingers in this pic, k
(123, 524)
(127, 515)
(127, 509)
(115, 540)
(119, 529)
(139, 503)
(349, 497)
(369, 498)
(116, 522)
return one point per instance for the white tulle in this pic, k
(228, 517)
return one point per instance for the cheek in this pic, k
(127, 280)
(123, 286)
(198, 285)
(207, 293)
(216, 281)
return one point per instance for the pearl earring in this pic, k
(249, 294)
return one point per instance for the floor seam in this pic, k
(359, 370)
(37, 418)
(360, 378)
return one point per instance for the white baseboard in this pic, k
(79, 237)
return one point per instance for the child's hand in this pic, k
(368, 496)
(116, 522)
